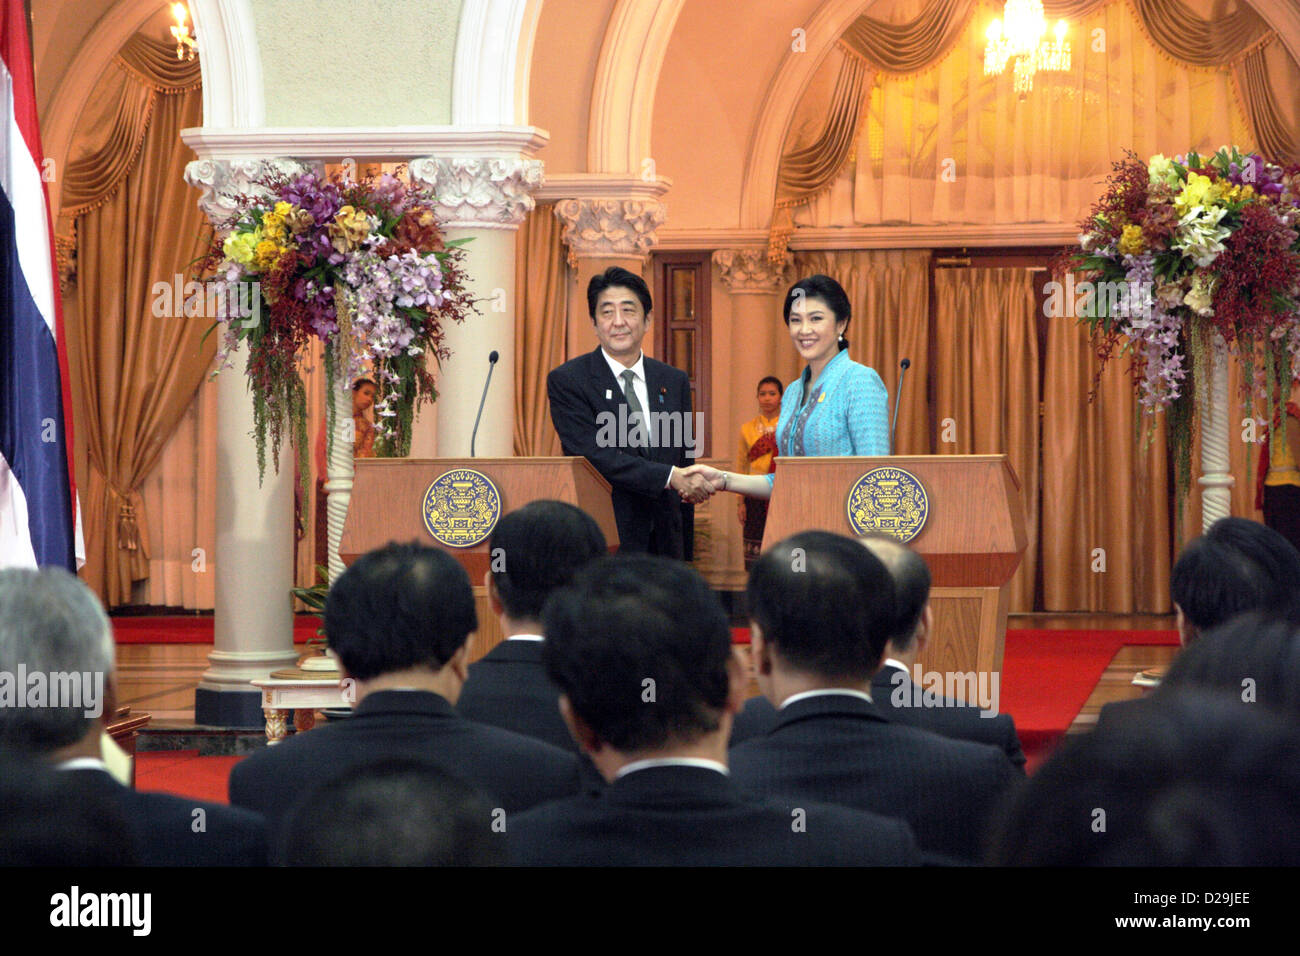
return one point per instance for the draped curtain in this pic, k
(933, 140)
(985, 366)
(136, 224)
(540, 290)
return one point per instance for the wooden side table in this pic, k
(301, 693)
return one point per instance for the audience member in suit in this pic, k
(641, 651)
(1189, 779)
(393, 812)
(892, 689)
(648, 480)
(821, 610)
(399, 620)
(48, 818)
(1253, 659)
(52, 624)
(1236, 567)
(535, 550)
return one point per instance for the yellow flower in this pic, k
(267, 254)
(1161, 170)
(240, 246)
(349, 227)
(1131, 241)
(1197, 191)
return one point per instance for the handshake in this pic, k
(697, 483)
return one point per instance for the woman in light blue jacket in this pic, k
(837, 406)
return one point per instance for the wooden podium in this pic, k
(387, 505)
(972, 539)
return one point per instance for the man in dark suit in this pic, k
(821, 609)
(399, 620)
(641, 651)
(52, 624)
(535, 550)
(892, 689)
(630, 416)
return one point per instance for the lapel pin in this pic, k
(662, 393)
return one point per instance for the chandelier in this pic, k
(1022, 38)
(186, 43)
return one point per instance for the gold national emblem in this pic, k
(888, 501)
(461, 507)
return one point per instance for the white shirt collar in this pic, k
(892, 662)
(525, 637)
(83, 763)
(824, 692)
(636, 765)
(618, 368)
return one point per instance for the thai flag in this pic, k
(38, 512)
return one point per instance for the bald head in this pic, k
(911, 578)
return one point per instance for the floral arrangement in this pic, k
(360, 265)
(1199, 248)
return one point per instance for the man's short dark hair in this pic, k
(617, 276)
(1253, 659)
(1187, 779)
(1236, 566)
(392, 812)
(538, 549)
(825, 602)
(400, 606)
(640, 646)
(911, 585)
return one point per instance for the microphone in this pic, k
(492, 363)
(903, 366)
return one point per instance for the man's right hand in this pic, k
(692, 484)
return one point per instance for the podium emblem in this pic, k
(888, 501)
(461, 507)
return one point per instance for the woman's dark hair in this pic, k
(829, 291)
(771, 380)
(363, 381)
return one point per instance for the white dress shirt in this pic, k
(823, 692)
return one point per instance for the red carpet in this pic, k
(1046, 678)
(190, 629)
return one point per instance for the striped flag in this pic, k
(38, 511)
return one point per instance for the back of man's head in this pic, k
(640, 647)
(392, 812)
(53, 630)
(398, 607)
(825, 604)
(1236, 566)
(537, 549)
(1187, 779)
(1253, 659)
(911, 585)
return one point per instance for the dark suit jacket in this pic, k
(893, 693)
(509, 688)
(513, 771)
(838, 749)
(166, 831)
(694, 816)
(755, 719)
(648, 513)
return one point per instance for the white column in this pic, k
(484, 199)
(253, 565)
(1216, 480)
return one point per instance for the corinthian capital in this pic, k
(609, 228)
(224, 181)
(750, 272)
(493, 192)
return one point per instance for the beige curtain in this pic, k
(890, 295)
(540, 291)
(985, 383)
(136, 371)
(1105, 496)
